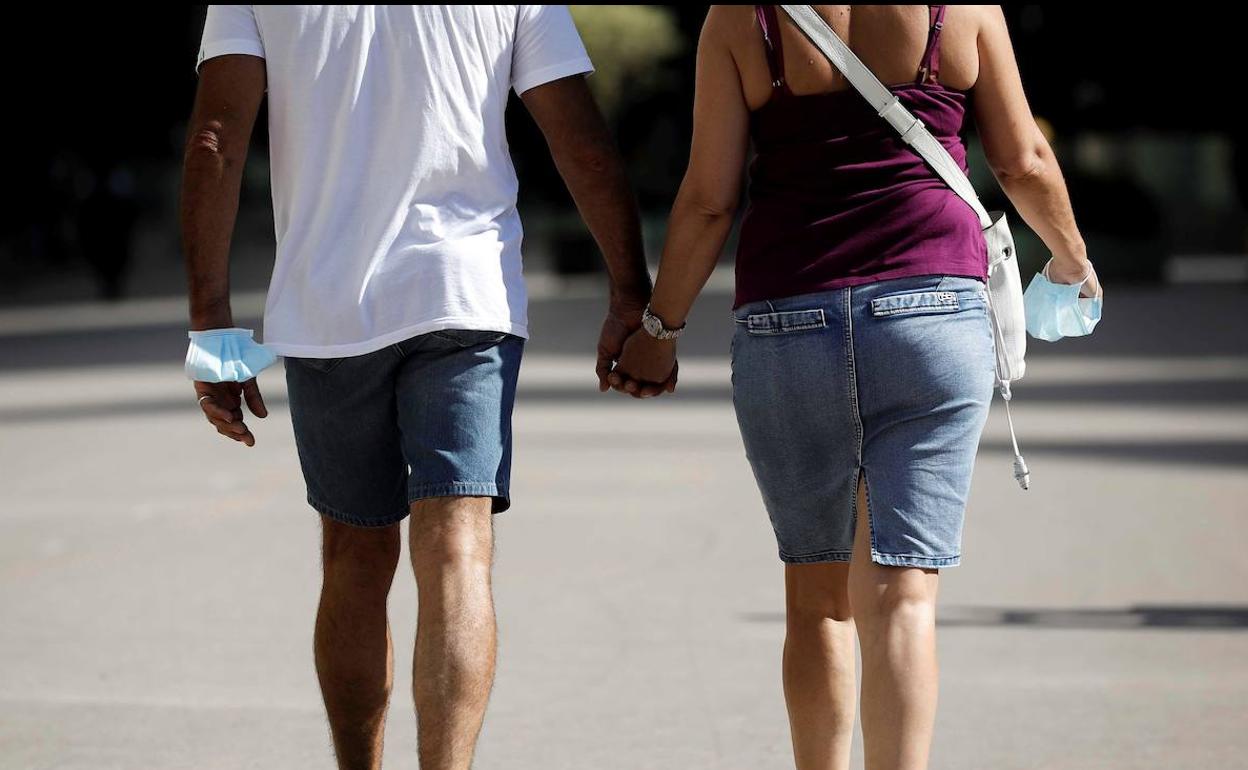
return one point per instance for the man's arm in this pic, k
(586, 157)
(226, 103)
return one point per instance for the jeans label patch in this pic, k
(916, 302)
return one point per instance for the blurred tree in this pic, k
(633, 48)
(628, 44)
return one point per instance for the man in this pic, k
(398, 302)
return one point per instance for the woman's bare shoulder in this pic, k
(728, 23)
(978, 17)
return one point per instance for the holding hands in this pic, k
(645, 363)
(646, 368)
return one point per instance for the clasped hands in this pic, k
(632, 362)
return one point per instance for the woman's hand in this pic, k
(1072, 271)
(647, 367)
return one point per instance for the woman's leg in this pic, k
(895, 614)
(819, 676)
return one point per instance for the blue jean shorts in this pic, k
(426, 417)
(890, 381)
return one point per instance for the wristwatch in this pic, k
(655, 328)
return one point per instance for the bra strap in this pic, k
(929, 65)
(769, 23)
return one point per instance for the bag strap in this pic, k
(887, 105)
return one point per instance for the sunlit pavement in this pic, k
(157, 583)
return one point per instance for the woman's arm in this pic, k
(702, 215)
(1019, 154)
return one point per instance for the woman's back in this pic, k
(890, 39)
(836, 198)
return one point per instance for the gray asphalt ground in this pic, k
(157, 584)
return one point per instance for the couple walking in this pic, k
(862, 358)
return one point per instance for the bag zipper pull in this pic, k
(1021, 474)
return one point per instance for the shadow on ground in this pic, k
(1143, 617)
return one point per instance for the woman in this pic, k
(862, 360)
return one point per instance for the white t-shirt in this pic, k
(394, 194)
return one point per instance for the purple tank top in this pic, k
(837, 199)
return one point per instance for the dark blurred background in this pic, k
(1157, 165)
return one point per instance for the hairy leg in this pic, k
(452, 545)
(354, 658)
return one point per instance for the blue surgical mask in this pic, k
(226, 355)
(1055, 310)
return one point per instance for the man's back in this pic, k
(393, 190)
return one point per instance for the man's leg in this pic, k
(452, 543)
(354, 659)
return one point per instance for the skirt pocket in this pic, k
(785, 322)
(916, 303)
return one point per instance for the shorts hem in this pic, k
(908, 560)
(355, 521)
(502, 501)
(816, 558)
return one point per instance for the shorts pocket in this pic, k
(785, 322)
(322, 365)
(467, 338)
(916, 303)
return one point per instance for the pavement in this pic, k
(158, 584)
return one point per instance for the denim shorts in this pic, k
(890, 380)
(426, 417)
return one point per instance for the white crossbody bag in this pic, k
(1005, 287)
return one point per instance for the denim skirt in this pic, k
(889, 382)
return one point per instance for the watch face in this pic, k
(653, 325)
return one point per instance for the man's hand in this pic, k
(647, 367)
(222, 403)
(623, 318)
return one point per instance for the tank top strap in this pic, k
(769, 23)
(929, 65)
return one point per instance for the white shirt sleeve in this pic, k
(230, 29)
(547, 47)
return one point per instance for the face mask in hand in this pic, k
(226, 355)
(1055, 310)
